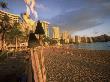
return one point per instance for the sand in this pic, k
(62, 64)
(77, 65)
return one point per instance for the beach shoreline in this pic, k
(64, 64)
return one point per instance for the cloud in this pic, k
(91, 15)
(42, 7)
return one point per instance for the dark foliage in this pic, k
(4, 23)
(32, 40)
(3, 5)
(39, 29)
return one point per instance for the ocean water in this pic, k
(93, 46)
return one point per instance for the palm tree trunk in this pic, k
(16, 43)
(3, 36)
(40, 40)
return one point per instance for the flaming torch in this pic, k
(31, 8)
(37, 59)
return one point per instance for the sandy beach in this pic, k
(77, 65)
(62, 65)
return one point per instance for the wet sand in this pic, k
(74, 65)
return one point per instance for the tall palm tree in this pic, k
(3, 5)
(3, 21)
(15, 33)
(40, 31)
(5, 26)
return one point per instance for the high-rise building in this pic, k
(45, 26)
(12, 17)
(91, 39)
(66, 37)
(56, 33)
(77, 39)
(84, 39)
(73, 39)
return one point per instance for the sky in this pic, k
(79, 17)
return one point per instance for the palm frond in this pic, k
(4, 5)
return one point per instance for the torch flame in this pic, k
(27, 1)
(31, 5)
(28, 9)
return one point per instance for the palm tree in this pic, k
(33, 41)
(3, 5)
(3, 22)
(5, 26)
(15, 33)
(40, 31)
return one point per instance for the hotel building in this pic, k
(13, 17)
(77, 39)
(45, 26)
(73, 39)
(66, 37)
(56, 33)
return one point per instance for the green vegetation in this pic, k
(40, 32)
(33, 41)
(3, 55)
(9, 31)
(14, 33)
(5, 27)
